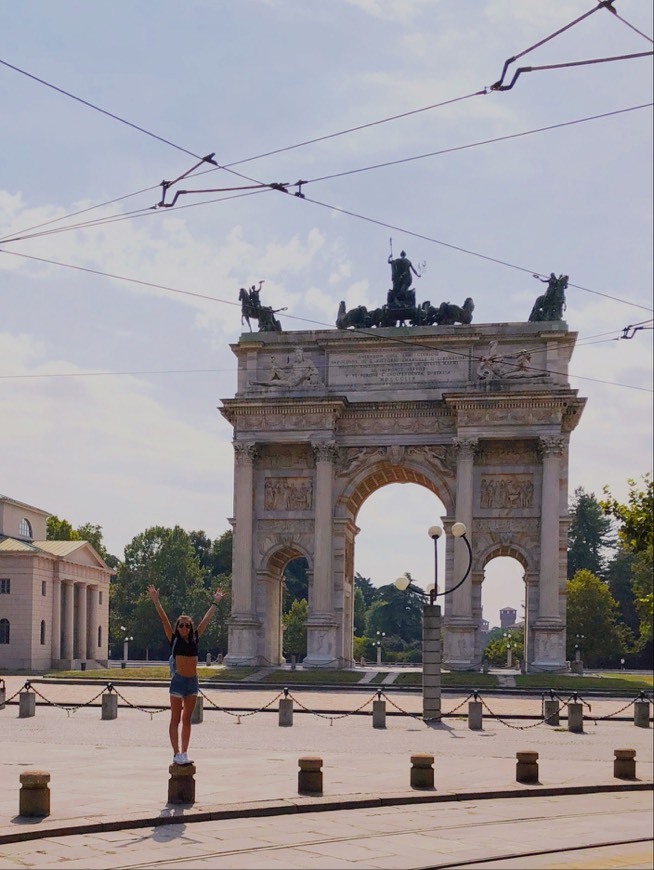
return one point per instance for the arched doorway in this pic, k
(500, 597)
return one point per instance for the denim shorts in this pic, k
(181, 687)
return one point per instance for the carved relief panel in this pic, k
(288, 494)
(506, 491)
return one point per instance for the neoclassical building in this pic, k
(54, 595)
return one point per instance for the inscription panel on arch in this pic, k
(383, 368)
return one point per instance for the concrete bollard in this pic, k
(34, 796)
(208, 659)
(181, 785)
(475, 716)
(26, 704)
(379, 713)
(526, 769)
(575, 717)
(3, 694)
(551, 711)
(286, 712)
(309, 778)
(109, 706)
(197, 715)
(641, 713)
(624, 763)
(422, 770)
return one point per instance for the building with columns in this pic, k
(54, 595)
(481, 415)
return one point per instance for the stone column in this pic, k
(55, 642)
(92, 626)
(244, 625)
(69, 614)
(321, 624)
(81, 621)
(461, 627)
(549, 652)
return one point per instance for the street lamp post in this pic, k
(380, 635)
(432, 654)
(509, 652)
(578, 667)
(126, 641)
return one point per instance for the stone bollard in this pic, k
(109, 706)
(379, 712)
(286, 711)
(422, 770)
(197, 715)
(576, 717)
(641, 712)
(475, 715)
(526, 769)
(181, 785)
(2, 694)
(624, 763)
(551, 711)
(26, 704)
(208, 659)
(309, 778)
(34, 797)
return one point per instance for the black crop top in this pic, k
(186, 647)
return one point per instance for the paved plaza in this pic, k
(115, 774)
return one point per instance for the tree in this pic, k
(60, 530)
(221, 554)
(636, 534)
(367, 589)
(495, 651)
(589, 536)
(296, 582)
(295, 629)
(396, 613)
(359, 613)
(593, 612)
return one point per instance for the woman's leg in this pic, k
(189, 706)
(175, 716)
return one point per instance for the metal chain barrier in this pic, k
(69, 708)
(151, 713)
(327, 715)
(515, 727)
(240, 716)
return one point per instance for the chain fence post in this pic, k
(285, 711)
(475, 714)
(641, 712)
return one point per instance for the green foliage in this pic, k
(636, 518)
(593, 613)
(589, 535)
(359, 648)
(221, 555)
(495, 652)
(396, 613)
(296, 582)
(367, 589)
(359, 613)
(295, 629)
(60, 530)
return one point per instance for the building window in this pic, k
(42, 632)
(99, 599)
(100, 635)
(5, 586)
(43, 587)
(25, 528)
(4, 631)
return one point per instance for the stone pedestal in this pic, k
(575, 717)
(34, 797)
(26, 705)
(286, 712)
(379, 714)
(422, 770)
(624, 763)
(475, 716)
(197, 715)
(309, 778)
(181, 785)
(431, 661)
(551, 712)
(641, 714)
(109, 706)
(526, 769)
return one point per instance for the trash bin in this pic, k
(82, 666)
(123, 665)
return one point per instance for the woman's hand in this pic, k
(218, 596)
(153, 593)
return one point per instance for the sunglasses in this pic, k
(183, 625)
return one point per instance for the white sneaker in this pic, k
(185, 758)
(180, 758)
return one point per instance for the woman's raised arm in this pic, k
(153, 595)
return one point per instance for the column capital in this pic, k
(325, 451)
(245, 452)
(465, 447)
(551, 445)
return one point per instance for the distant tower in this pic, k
(507, 617)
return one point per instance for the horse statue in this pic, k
(447, 314)
(551, 305)
(250, 304)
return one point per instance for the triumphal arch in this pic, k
(481, 415)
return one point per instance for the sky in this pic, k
(110, 388)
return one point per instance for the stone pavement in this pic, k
(115, 773)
